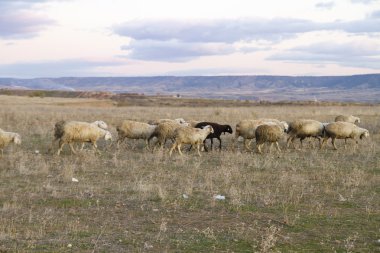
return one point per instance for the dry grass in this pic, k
(132, 200)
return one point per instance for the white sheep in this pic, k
(269, 132)
(165, 131)
(303, 128)
(343, 130)
(158, 121)
(7, 138)
(190, 135)
(246, 129)
(76, 131)
(135, 130)
(58, 130)
(351, 119)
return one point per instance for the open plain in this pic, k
(135, 200)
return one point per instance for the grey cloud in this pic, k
(226, 31)
(174, 51)
(325, 5)
(179, 40)
(73, 67)
(345, 54)
(233, 30)
(14, 26)
(18, 21)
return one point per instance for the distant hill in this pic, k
(359, 88)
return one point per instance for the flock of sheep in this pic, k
(195, 133)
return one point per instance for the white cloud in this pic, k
(354, 54)
(364, 1)
(325, 5)
(173, 50)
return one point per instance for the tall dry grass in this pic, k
(136, 200)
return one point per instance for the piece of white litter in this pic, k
(341, 198)
(185, 196)
(69, 245)
(219, 197)
(36, 152)
(74, 180)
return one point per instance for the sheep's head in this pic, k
(101, 124)
(365, 134)
(357, 120)
(180, 120)
(228, 129)
(209, 129)
(108, 136)
(285, 125)
(16, 139)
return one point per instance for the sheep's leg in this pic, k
(247, 144)
(259, 148)
(172, 148)
(288, 141)
(278, 146)
(220, 143)
(61, 144)
(291, 140)
(323, 142)
(198, 147)
(82, 146)
(270, 147)
(72, 148)
(95, 147)
(147, 144)
(179, 149)
(2, 152)
(333, 143)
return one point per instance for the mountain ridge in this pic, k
(364, 87)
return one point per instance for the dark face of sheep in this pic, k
(228, 129)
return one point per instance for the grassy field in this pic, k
(132, 200)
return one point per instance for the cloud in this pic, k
(71, 67)
(184, 40)
(325, 5)
(173, 50)
(18, 21)
(364, 1)
(22, 25)
(352, 54)
(222, 30)
(234, 30)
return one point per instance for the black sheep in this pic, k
(218, 130)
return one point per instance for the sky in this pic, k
(77, 38)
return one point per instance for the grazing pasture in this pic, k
(133, 199)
